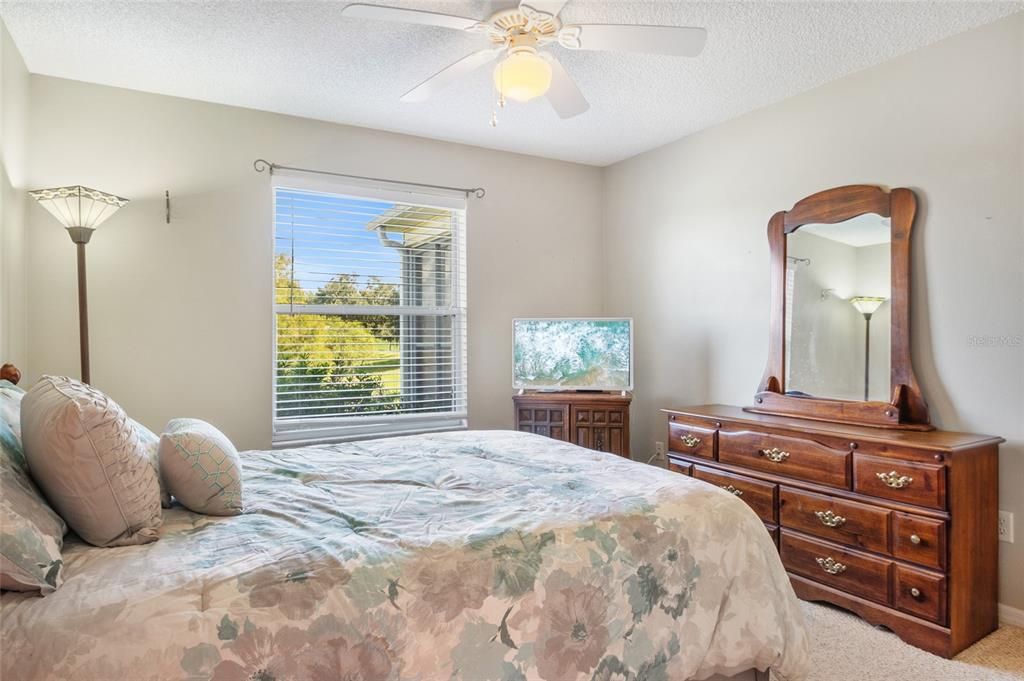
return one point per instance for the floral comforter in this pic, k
(468, 556)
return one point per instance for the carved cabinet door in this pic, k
(543, 418)
(600, 428)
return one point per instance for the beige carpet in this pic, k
(846, 648)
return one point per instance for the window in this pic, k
(370, 312)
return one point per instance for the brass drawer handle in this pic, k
(830, 519)
(732, 490)
(914, 539)
(915, 592)
(830, 565)
(775, 454)
(894, 479)
(690, 440)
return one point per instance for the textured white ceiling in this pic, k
(303, 58)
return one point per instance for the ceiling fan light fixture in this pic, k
(522, 75)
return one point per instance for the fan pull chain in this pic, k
(494, 112)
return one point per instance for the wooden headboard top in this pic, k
(10, 373)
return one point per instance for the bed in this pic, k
(470, 555)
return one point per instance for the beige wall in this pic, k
(180, 314)
(687, 254)
(14, 118)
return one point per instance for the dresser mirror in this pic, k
(839, 344)
(838, 288)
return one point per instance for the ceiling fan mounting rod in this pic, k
(518, 23)
(521, 41)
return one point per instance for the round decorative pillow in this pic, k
(86, 457)
(201, 467)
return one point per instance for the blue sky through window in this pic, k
(330, 238)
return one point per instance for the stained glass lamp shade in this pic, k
(78, 206)
(867, 305)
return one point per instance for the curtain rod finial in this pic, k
(260, 165)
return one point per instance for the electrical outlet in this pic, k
(659, 450)
(1006, 527)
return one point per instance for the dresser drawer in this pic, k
(919, 540)
(759, 495)
(691, 439)
(829, 564)
(800, 458)
(848, 522)
(911, 483)
(678, 466)
(920, 593)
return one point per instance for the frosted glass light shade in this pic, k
(523, 75)
(867, 304)
(78, 206)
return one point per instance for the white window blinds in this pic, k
(370, 313)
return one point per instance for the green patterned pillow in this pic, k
(31, 533)
(201, 467)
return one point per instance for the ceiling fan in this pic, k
(525, 72)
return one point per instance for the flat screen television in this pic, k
(572, 354)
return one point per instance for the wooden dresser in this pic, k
(593, 420)
(898, 526)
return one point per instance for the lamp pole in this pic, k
(80, 236)
(867, 352)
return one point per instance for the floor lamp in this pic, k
(81, 210)
(867, 306)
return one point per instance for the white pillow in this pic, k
(201, 467)
(86, 457)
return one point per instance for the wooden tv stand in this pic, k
(595, 420)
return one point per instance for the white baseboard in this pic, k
(1008, 615)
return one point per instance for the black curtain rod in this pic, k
(260, 165)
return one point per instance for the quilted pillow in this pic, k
(85, 455)
(31, 533)
(201, 467)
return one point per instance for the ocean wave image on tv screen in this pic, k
(572, 354)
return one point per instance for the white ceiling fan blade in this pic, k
(408, 16)
(679, 41)
(565, 98)
(552, 7)
(446, 76)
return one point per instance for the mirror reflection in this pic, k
(837, 309)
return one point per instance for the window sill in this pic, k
(289, 434)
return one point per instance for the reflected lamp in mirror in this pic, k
(867, 305)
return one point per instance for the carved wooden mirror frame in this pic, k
(907, 408)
